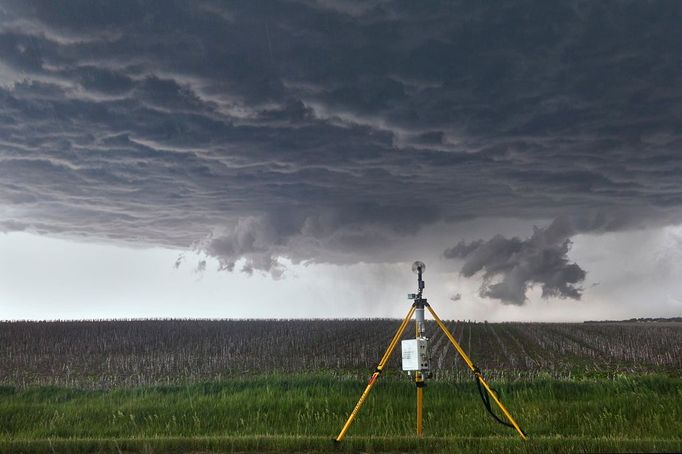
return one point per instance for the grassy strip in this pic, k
(351, 444)
(304, 412)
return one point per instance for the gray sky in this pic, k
(527, 151)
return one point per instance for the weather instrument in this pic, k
(415, 358)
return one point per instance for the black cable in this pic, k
(485, 398)
(486, 403)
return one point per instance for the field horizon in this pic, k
(244, 319)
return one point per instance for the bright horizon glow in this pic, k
(57, 279)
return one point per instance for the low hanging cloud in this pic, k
(511, 266)
(331, 235)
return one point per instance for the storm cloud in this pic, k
(330, 131)
(510, 266)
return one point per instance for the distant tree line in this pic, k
(642, 319)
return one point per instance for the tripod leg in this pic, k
(476, 372)
(376, 373)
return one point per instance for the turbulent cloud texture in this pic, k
(331, 130)
(511, 266)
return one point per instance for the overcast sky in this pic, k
(292, 158)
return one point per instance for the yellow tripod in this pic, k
(418, 307)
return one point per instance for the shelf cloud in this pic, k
(330, 131)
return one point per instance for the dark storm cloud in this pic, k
(331, 130)
(510, 266)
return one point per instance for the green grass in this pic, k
(303, 413)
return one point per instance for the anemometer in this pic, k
(415, 358)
